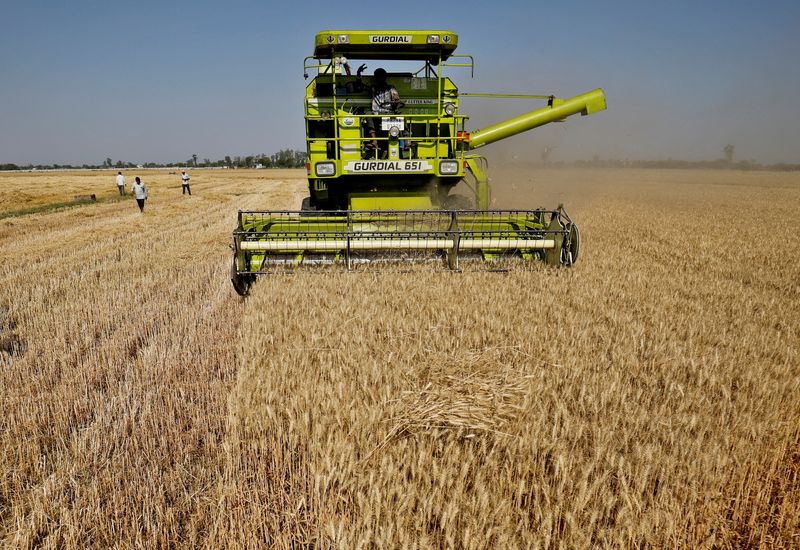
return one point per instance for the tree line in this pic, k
(285, 158)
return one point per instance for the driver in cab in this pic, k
(385, 99)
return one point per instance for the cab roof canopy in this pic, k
(425, 45)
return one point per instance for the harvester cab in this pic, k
(386, 148)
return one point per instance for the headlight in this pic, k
(449, 109)
(394, 131)
(433, 39)
(448, 167)
(325, 169)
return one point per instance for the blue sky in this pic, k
(82, 81)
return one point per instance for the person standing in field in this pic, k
(139, 193)
(121, 184)
(185, 183)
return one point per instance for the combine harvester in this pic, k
(380, 184)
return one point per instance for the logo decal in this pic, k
(371, 166)
(389, 39)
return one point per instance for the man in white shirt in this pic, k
(385, 101)
(139, 193)
(121, 183)
(185, 183)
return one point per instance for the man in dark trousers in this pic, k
(185, 183)
(139, 193)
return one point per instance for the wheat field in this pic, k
(649, 397)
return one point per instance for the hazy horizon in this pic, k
(152, 82)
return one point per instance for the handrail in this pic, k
(471, 63)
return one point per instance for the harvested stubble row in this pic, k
(117, 339)
(649, 396)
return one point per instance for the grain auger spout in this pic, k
(556, 111)
(385, 152)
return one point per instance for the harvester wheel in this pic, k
(574, 245)
(307, 208)
(458, 202)
(241, 283)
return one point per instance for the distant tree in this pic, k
(279, 159)
(729, 151)
(194, 159)
(206, 162)
(108, 162)
(285, 158)
(227, 160)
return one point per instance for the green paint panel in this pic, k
(389, 201)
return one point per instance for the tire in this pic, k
(241, 283)
(574, 244)
(307, 208)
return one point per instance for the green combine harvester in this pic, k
(385, 152)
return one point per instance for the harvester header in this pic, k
(386, 151)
